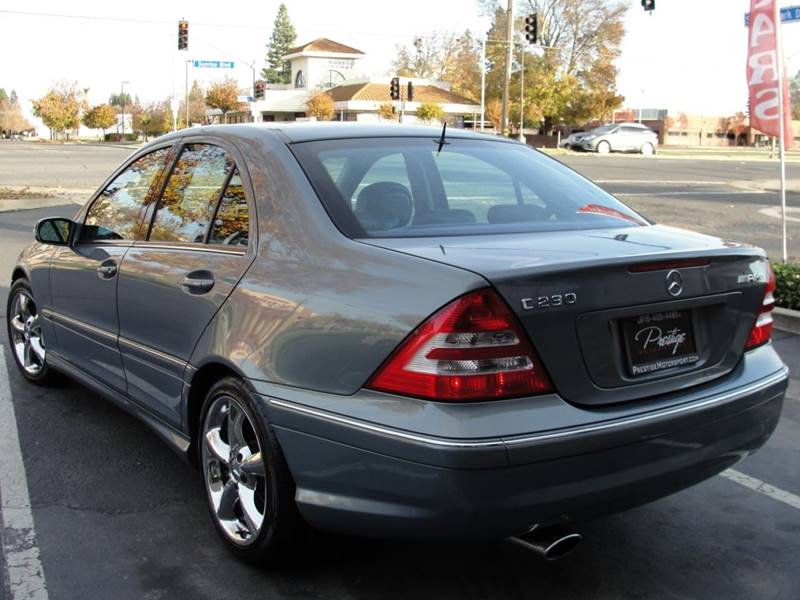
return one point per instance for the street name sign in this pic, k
(788, 13)
(216, 64)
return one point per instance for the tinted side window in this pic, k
(117, 211)
(190, 196)
(232, 221)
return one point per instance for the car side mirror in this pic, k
(54, 230)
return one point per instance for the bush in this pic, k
(117, 137)
(787, 293)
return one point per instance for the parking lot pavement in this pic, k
(117, 515)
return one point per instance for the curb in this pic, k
(786, 319)
(13, 205)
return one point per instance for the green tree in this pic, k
(100, 117)
(281, 40)
(197, 106)
(444, 56)
(223, 95)
(153, 119)
(427, 112)
(116, 99)
(11, 118)
(60, 109)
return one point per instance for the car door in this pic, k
(629, 137)
(199, 244)
(83, 277)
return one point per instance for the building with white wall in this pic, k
(326, 65)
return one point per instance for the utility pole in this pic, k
(483, 79)
(186, 92)
(521, 137)
(509, 59)
(122, 99)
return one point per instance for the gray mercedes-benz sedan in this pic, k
(400, 331)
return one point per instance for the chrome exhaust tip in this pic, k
(551, 543)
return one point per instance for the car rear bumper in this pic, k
(358, 476)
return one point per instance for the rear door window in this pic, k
(190, 196)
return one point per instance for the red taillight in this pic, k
(762, 330)
(472, 349)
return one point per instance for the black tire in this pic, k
(45, 376)
(283, 529)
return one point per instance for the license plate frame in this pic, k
(659, 341)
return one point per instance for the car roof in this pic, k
(306, 131)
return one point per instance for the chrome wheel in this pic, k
(234, 471)
(26, 333)
(648, 150)
(603, 147)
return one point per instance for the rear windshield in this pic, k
(409, 187)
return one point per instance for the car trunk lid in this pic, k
(621, 314)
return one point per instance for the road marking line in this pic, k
(775, 212)
(762, 488)
(20, 552)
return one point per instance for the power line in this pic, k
(25, 13)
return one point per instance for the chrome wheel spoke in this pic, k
(219, 449)
(24, 306)
(17, 325)
(252, 518)
(37, 348)
(227, 502)
(236, 419)
(253, 465)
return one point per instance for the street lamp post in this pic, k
(122, 99)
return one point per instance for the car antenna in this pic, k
(441, 141)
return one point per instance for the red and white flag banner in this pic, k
(765, 70)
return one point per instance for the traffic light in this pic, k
(410, 94)
(183, 35)
(532, 28)
(394, 88)
(258, 93)
(649, 5)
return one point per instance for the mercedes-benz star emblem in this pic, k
(674, 283)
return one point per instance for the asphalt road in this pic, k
(732, 199)
(117, 515)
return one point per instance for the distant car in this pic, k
(388, 331)
(572, 139)
(619, 137)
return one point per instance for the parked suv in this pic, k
(400, 332)
(619, 137)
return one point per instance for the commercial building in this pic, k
(326, 65)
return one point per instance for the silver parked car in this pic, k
(400, 331)
(619, 137)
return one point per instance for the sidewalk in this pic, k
(14, 197)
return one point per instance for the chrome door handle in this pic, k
(107, 269)
(197, 285)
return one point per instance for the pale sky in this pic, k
(688, 55)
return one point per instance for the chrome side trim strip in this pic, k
(58, 317)
(396, 433)
(192, 248)
(497, 442)
(65, 320)
(157, 353)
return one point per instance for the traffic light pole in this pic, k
(509, 58)
(483, 80)
(186, 92)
